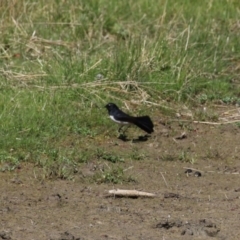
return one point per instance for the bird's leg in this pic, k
(119, 130)
(122, 133)
(121, 127)
(125, 129)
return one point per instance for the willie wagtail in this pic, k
(118, 116)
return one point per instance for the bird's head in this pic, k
(111, 106)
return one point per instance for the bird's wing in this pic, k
(122, 116)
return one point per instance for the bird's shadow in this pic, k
(124, 138)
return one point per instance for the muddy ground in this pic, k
(187, 206)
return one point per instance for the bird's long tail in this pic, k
(145, 123)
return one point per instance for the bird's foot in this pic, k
(122, 137)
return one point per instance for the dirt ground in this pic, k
(187, 206)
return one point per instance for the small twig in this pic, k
(209, 123)
(130, 193)
(182, 136)
(164, 179)
(126, 169)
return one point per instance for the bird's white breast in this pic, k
(119, 122)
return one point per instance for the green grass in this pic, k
(53, 52)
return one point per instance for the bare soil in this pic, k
(201, 203)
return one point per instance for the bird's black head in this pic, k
(111, 106)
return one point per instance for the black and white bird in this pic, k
(118, 116)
